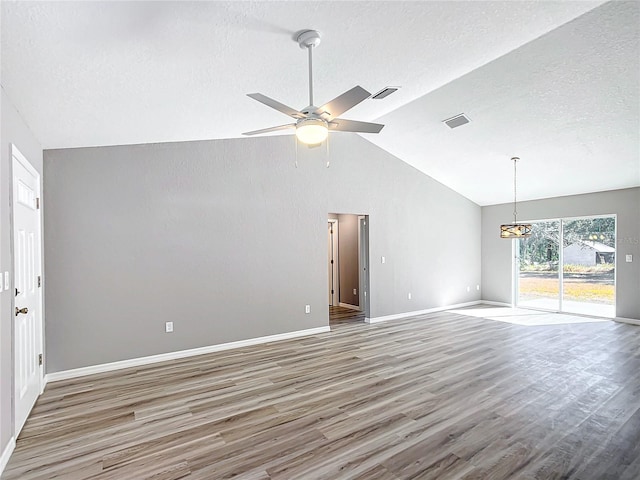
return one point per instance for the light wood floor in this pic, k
(342, 315)
(441, 396)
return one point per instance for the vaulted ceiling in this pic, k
(554, 82)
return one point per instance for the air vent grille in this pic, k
(456, 121)
(385, 92)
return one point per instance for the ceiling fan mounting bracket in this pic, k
(309, 38)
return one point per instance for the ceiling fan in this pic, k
(312, 124)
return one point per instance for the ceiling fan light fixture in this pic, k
(312, 131)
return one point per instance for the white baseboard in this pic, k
(497, 304)
(349, 306)
(163, 357)
(398, 316)
(6, 454)
(631, 321)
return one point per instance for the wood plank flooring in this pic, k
(342, 315)
(439, 396)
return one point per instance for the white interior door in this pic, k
(28, 301)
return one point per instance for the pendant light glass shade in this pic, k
(515, 229)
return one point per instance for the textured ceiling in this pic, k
(568, 104)
(105, 73)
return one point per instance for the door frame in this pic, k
(363, 262)
(17, 156)
(335, 299)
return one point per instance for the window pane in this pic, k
(538, 281)
(589, 249)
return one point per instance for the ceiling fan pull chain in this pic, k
(327, 153)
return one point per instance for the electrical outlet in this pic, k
(468, 288)
(354, 291)
(168, 327)
(307, 309)
(629, 258)
(478, 287)
(382, 259)
(409, 295)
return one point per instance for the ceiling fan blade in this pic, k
(342, 103)
(281, 107)
(342, 125)
(271, 129)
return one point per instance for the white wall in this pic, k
(228, 240)
(497, 254)
(13, 130)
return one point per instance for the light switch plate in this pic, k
(629, 258)
(6, 280)
(168, 327)
(382, 259)
(307, 309)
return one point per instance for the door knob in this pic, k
(21, 310)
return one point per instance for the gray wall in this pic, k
(12, 130)
(228, 240)
(348, 258)
(496, 252)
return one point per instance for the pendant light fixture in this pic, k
(515, 229)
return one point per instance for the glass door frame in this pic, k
(515, 246)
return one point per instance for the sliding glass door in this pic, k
(577, 278)
(588, 266)
(538, 275)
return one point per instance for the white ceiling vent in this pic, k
(385, 92)
(456, 121)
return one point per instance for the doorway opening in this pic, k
(348, 267)
(568, 265)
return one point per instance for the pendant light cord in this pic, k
(515, 191)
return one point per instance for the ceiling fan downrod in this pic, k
(309, 39)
